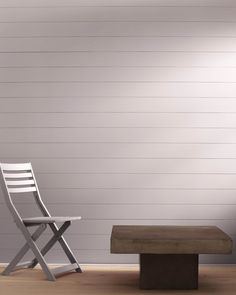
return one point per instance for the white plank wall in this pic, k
(127, 111)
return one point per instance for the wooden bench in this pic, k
(169, 254)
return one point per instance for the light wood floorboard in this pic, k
(104, 280)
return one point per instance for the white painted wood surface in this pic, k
(127, 111)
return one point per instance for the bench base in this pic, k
(169, 271)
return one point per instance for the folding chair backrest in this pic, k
(19, 178)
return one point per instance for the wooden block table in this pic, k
(169, 254)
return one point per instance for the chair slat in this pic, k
(17, 175)
(16, 167)
(20, 182)
(22, 189)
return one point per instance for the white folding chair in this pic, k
(19, 178)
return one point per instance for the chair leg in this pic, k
(58, 237)
(51, 242)
(34, 248)
(31, 245)
(12, 265)
(66, 248)
(69, 253)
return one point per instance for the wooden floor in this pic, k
(104, 280)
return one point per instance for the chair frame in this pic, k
(29, 184)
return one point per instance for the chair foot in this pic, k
(64, 269)
(19, 266)
(79, 270)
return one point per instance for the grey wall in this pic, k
(127, 111)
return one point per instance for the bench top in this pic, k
(169, 240)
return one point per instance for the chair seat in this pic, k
(50, 219)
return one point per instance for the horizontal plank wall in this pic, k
(127, 111)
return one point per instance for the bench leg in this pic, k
(169, 271)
